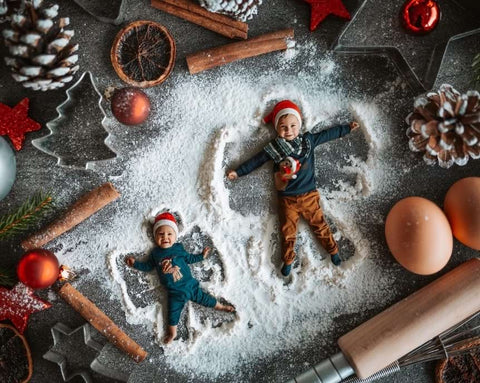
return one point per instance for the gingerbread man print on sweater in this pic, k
(288, 169)
(168, 268)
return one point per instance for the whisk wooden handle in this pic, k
(413, 321)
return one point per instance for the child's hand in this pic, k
(354, 125)
(130, 261)
(206, 252)
(232, 175)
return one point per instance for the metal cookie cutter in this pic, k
(61, 359)
(77, 137)
(102, 10)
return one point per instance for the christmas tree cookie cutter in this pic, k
(74, 140)
(102, 10)
(60, 330)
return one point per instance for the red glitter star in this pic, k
(14, 122)
(323, 8)
(18, 304)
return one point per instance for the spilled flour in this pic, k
(201, 128)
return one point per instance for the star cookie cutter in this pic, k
(101, 9)
(417, 58)
(61, 329)
(73, 139)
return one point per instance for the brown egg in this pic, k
(462, 207)
(130, 106)
(418, 235)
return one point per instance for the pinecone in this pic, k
(446, 126)
(42, 56)
(239, 9)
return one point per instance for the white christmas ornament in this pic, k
(7, 168)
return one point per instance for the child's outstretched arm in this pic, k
(248, 166)
(193, 258)
(142, 266)
(333, 133)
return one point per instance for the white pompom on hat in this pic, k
(281, 109)
(165, 219)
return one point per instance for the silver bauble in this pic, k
(7, 168)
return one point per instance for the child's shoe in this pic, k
(336, 259)
(286, 269)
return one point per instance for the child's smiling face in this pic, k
(165, 237)
(288, 127)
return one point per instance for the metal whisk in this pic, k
(455, 341)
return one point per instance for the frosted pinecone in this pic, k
(446, 126)
(239, 9)
(42, 56)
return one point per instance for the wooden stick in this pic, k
(196, 18)
(195, 8)
(211, 58)
(86, 206)
(98, 319)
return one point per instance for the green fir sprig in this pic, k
(476, 69)
(7, 277)
(26, 215)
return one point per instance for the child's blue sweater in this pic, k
(179, 258)
(305, 181)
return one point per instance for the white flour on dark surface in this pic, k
(200, 128)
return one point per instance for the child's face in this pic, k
(165, 237)
(288, 127)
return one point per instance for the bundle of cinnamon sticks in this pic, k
(194, 13)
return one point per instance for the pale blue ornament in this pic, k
(7, 168)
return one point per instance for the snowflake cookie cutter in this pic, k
(117, 9)
(61, 359)
(72, 140)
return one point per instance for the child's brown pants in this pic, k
(308, 206)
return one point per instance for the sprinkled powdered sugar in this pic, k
(202, 128)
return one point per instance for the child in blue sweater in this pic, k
(298, 195)
(171, 262)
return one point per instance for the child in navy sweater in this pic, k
(171, 262)
(299, 196)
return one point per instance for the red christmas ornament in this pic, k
(322, 8)
(14, 122)
(38, 268)
(130, 106)
(420, 16)
(18, 304)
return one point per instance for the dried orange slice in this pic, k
(15, 357)
(143, 53)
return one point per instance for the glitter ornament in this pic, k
(14, 122)
(420, 16)
(18, 304)
(38, 268)
(7, 168)
(130, 106)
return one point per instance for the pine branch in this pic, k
(26, 215)
(7, 277)
(476, 69)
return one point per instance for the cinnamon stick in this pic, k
(98, 319)
(211, 58)
(200, 16)
(86, 206)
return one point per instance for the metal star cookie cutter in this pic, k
(101, 10)
(61, 359)
(72, 140)
(417, 58)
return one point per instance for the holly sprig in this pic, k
(26, 215)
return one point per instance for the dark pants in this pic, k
(176, 302)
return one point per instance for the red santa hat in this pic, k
(281, 109)
(165, 219)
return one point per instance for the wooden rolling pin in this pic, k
(403, 327)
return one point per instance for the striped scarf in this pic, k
(280, 148)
